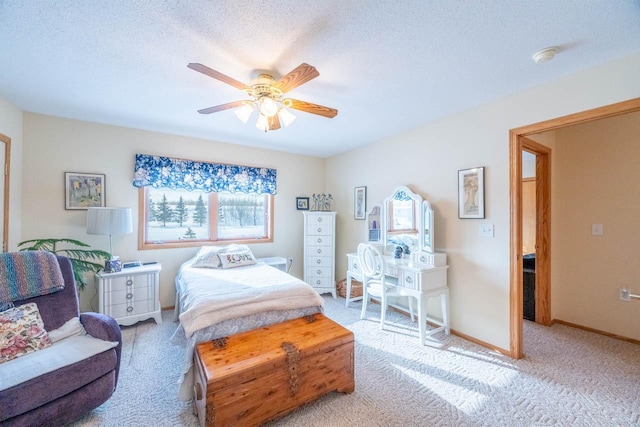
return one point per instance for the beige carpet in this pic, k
(568, 378)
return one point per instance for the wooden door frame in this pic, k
(518, 142)
(6, 169)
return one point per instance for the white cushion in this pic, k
(60, 354)
(207, 257)
(71, 328)
(236, 259)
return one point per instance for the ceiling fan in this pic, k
(267, 97)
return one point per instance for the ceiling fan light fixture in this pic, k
(286, 116)
(268, 106)
(262, 123)
(244, 112)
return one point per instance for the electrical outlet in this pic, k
(625, 294)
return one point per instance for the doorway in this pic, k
(5, 160)
(518, 142)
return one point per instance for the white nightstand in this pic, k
(130, 295)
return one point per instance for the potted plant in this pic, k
(82, 260)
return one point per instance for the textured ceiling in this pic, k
(387, 66)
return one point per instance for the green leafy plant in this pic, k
(82, 260)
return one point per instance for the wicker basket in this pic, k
(356, 288)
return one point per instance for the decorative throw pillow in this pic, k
(21, 332)
(207, 257)
(236, 259)
(72, 327)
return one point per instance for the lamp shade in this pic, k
(109, 221)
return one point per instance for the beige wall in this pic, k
(54, 145)
(595, 181)
(428, 159)
(11, 126)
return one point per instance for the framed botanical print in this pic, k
(360, 203)
(84, 190)
(471, 193)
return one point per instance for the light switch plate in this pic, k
(597, 229)
(486, 230)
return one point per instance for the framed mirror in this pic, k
(402, 220)
(427, 224)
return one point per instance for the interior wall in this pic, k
(54, 145)
(11, 124)
(595, 182)
(428, 159)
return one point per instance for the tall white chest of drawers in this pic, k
(320, 251)
(130, 295)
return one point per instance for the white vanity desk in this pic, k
(406, 221)
(419, 280)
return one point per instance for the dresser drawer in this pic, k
(126, 282)
(319, 272)
(354, 264)
(314, 229)
(130, 309)
(409, 280)
(320, 282)
(315, 250)
(319, 261)
(139, 294)
(320, 240)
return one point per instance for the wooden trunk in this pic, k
(252, 377)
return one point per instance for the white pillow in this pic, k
(207, 257)
(236, 259)
(72, 327)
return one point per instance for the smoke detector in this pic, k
(545, 54)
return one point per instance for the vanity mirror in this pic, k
(427, 222)
(402, 220)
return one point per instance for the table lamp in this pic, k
(109, 221)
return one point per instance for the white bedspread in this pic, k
(213, 295)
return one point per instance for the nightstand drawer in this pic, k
(131, 309)
(126, 282)
(130, 295)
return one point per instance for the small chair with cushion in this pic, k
(375, 283)
(56, 363)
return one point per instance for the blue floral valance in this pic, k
(167, 172)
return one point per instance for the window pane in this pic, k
(241, 216)
(176, 215)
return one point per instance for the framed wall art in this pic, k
(84, 190)
(471, 193)
(302, 203)
(360, 203)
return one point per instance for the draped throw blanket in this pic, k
(28, 274)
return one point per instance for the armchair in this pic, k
(60, 396)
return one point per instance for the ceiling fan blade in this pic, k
(308, 107)
(301, 74)
(274, 122)
(222, 107)
(217, 75)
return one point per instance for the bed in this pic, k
(216, 301)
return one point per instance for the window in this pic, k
(181, 218)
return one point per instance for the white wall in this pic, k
(595, 176)
(428, 159)
(54, 145)
(11, 126)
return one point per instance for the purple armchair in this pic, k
(61, 396)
